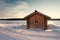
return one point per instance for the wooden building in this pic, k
(37, 20)
(34, 20)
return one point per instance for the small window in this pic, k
(36, 22)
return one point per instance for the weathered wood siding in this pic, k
(36, 18)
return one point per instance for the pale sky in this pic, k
(21, 8)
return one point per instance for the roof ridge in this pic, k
(36, 12)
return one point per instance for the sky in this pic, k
(22, 8)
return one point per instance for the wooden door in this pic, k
(36, 23)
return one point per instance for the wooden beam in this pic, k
(28, 25)
(45, 23)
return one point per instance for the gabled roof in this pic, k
(36, 12)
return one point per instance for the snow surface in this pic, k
(19, 32)
(29, 34)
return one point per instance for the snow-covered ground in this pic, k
(19, 32)
(29, 34)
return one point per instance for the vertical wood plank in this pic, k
(28, 25)
(45, 25)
